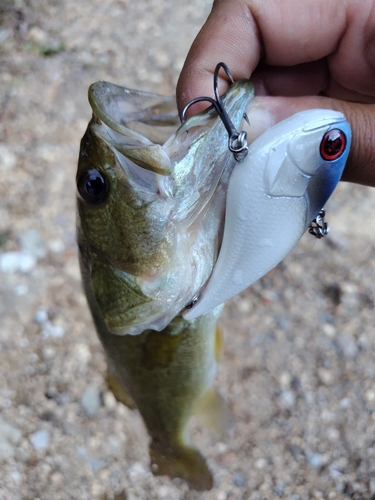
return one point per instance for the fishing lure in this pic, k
(277, 191)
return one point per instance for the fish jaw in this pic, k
(273, 196)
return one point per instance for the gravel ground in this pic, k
(298, 367)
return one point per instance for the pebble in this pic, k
(48, 353)
(315, 460)
(285, 379)
(32, 242)
(16, 476)
(37, 35)
(326, 376)
(164, 491)
(8, 159)
(51, 330)
(278, 490)
(348, 346)
(56, 245)
(137, 471)
(90, 400)
(12, 262)
(109, 400)
(40, 440)
(21, 290)
(82, 352)
(96, 464)
(238, 479)
(41, 316)
(260, 463)
(345, 403)
(287, 399)
(10, 436)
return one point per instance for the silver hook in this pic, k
(319, 227)
(237, 141)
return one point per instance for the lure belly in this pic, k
(273, 195)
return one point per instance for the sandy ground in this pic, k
(298, 368)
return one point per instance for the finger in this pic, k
(302, 79)
(267, 111)
(283, 33)
(229, 35)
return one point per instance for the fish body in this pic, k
(273, 195)
(150, 221)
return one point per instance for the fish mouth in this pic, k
(141, 115)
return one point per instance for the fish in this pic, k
(288, 175)
(151, 196)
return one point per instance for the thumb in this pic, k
(264, 112)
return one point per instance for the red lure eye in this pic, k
(333, 144)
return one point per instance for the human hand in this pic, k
(313, 53)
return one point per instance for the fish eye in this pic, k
(333, 144)
(93, 187)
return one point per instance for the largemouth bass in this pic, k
(150, 222)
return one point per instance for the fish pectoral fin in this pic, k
(214, 413)
(118, 389)
(183, 461)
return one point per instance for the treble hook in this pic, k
(237, 141)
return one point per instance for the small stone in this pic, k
(326, 376)
(137, 471)
(56, 246)
(221, 495)
(287, 399)
(32, 242)
(164, 492)
(334, 470)
(279, 490)
(370, 395)
(90, 400)
(48, 353)
(82, 353)
(347, 345)
(40, 440)
(239, 480)
(260, 463)
(72, 269)
(345, 403)
(12, 262)
(8, 159)
(329, 330)
(221, 447)
(315, 460)
(41, 316)
(52, 330)
(333, 434)
(10, 436)
(37, 35)
(285, 379)
(109, 400)
(16, 476)
(21, 290)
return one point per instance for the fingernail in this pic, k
(260, 119)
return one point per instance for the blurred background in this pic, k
(298, 367)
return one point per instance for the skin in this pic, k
(300, 55)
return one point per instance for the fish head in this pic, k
(151, 203)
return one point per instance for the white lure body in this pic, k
(289, 173)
